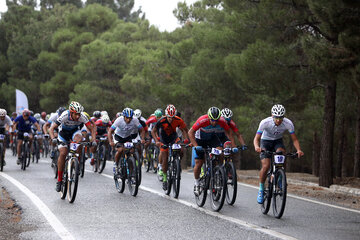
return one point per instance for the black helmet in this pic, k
(60, 110)
(214, 113)
(97, 114)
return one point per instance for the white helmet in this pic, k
(137, 113)
(226, 113)
(2, 112)
(103, 113)
(278, 110)
(37, 116)
(105, 119)
(76, 107)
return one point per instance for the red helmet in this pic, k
(170, 110)
(43, 114)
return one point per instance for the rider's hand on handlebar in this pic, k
(258, 149)
(142, 141)
(244, 147)
(300, 153)
(54, 141)
(157, 143)
(93, 144)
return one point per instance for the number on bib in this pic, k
(74, 146)
(2, 137)
(215, 151)
(128, 145)
(176, 146)
(279, 159)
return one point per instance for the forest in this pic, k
(246, 55)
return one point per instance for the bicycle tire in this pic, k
(23, 158)
(132, 180)
(147, 161)
(73, 179)
(102, 157)
(13, 147)
(176, 177)
(37, 152)
(231, 188)
(155, 160)
(33, 151)
(265, 206)
(27, 154)
(120, 185)
(138, 166)
(54, 163)
(218, 188)
(279, 193)
(1, 157)
(82, 162)
(64, 185)
(204, 186)
(169, 177)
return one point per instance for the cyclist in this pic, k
(41, 122)
(142, 120)
(71, 122)
(24, 123)
(13, 130)
(102, 128)
(227, 115)
(204, 134)
(5, 124)
(150, 122)
(96, 116)
(165, 128)
(124, 128)
(269, 135)
(43, 116)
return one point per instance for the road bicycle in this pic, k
(212, 179)
(101, 155)
(85, 154)
(71, 174)
(275, 188)
(174, 168)
(2, 157)
(126, 170)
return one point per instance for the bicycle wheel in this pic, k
(102, 157)
(82, 162)
(73, 179)
(132, 180)
(204, 185)
(231, 182)
(37, 152)
(33, 151)
(46, 148)
(13, 147)
(119, 179)
(147, 161)
(138, 166)
(27, 154)
(155, 160)
(176, 178)
(265, 206)
(279, 194)
(218, 188)
(169, 177)
(54, 163)
(1, 158)
(64, 185)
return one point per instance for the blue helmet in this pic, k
(128, 112)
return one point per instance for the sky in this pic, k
(158, 12)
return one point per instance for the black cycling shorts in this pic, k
(119, 139)
(270, 145)
(20, 135)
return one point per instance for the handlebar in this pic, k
(291, 155)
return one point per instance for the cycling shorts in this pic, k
(118, 139)
(21, 134)
(270, 145)
(65, 137)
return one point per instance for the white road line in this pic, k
(50, 217)
(215, 214)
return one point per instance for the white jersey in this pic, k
(124, 129)
(6, 121)
(41, 123)
(269, 131)
(67, 124)
(53, 118)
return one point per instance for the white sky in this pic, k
(158, 12)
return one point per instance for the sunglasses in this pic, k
(212, 120)
(278, 118)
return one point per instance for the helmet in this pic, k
(214, 113)
(2, 112)
(76, 107)
(14, 114)
(158, 113)
(43, 114)
(26, 112)
(104, 113)
(105, 119)
(128, 112)
(31, 113)
(278, 110)
(87, 115)
(170, 111)
(137, 113)
(60, 110)
(119, 114)
(37, 116)
(226, 113)
(97, 114)
(47, 117)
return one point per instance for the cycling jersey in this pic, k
(124, 129)
(269, 131)
(151, 122)
(53, 118)
(101, 128)
(204, 129)
(6, 121)
(167, 131)
(69, 125)
(25, 125)
(41, 123)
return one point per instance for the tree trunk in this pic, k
(357, 142)
(327, 140)
(341, 149)
(315, 155)
(345, 159)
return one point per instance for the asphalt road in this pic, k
(100, 212)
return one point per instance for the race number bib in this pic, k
(279, 159)
(176, 146)
(215, 151)
(74, 146)
(2, 137)
(128, 145)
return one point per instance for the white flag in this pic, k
(21, 101)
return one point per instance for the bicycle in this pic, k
(2, 157)
(25, 152)
(174, 168)
(36, 148)
(13, 145)
(213, 179)
(152, 157)
(55, 159)
(71, 174)
(231, 176)
(101, 155)
(46, 146)
(84, 156)
(275, 185)
(127, 170)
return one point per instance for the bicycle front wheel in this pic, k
(133, 183)
(176, 177)
(119, 179)
(1, 158)
(231, 182)
(155, 160)
(73, 179)
(169, 176)
(201, 198)
(268, 189)
(280, 191)
(54, 163)
(217, 188)
(64, 185)
(102, 158)
(27, 155)
(82, 162)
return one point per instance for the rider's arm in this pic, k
(46, 127)
(92, 131)
(110, 133)
(257, 142)
(296, 145)
(154, 134)
(191, 135)
(240, 138)
(37, 126)
(229, 134)
(51, 130)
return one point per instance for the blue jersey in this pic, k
(24, 126)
